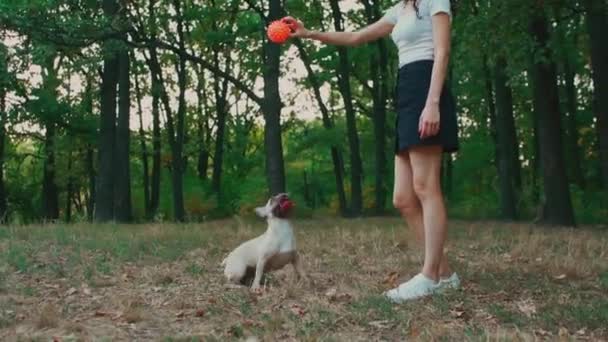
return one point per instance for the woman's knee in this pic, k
(426, 188)
(406, 204)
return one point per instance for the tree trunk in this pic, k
(122, 191)
(158, 93)
(69, 193)
(218, 156)
(156, 149)
(91, 173)
(336, 155)
(50, 194)
(275, 168)
(572, 135)
(202, 123)
(175, 142)
(379, 105)
(220, 90)
(507, 144)
(356, 167)
(176, 139)
(379, 76)
(104, 199)
(558, 205)
(89, 162)
(3, 194)
(597, 22)
(380, 86)
(491, 119)
(144, 151)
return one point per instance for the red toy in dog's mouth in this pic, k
(284, 207)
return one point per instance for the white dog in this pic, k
(268, 252)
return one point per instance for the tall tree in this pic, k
(144, 151)
(122, 191)
(49, 110)
(87, 100)
(3, 117)
(572, 126)
(202, 123)
(5, 81)
(336, 154)
(597, 23)
(104, 192)
(379, 71)
(507, 143)
(176, 132)
(220, 91)
(356, 166)
(557, 209)
(273, 142)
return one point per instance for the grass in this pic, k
(164, 283)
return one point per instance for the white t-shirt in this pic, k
(413, 35)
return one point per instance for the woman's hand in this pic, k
(429, 121)
(297, 28)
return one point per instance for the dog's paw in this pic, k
(256, 289)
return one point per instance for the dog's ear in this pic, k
(266, 210)
(262, 212)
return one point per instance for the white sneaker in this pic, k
(417, 287)
(453, 282)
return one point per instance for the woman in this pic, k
(425, 128)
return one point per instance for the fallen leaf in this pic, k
(298, 310)
(458, 314)
(71, 291)
(563, 332)
(100, 313)
(180, 314)
(542, 332)
(200, 313)
(331, 293)
(527, 307)
(380, 324)
(581, 332)
(391, 279)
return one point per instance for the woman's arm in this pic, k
(377, 30)
(429, 122)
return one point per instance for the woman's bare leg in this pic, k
(406, 201)
(425, 164)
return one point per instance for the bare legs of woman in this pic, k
(417, 195)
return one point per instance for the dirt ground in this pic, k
(164, 283)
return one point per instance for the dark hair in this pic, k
(416, 8)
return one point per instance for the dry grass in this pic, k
(164, 283)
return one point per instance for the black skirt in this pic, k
(413, 83)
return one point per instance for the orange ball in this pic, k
(278, 32)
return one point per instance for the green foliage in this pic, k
(49, 72)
